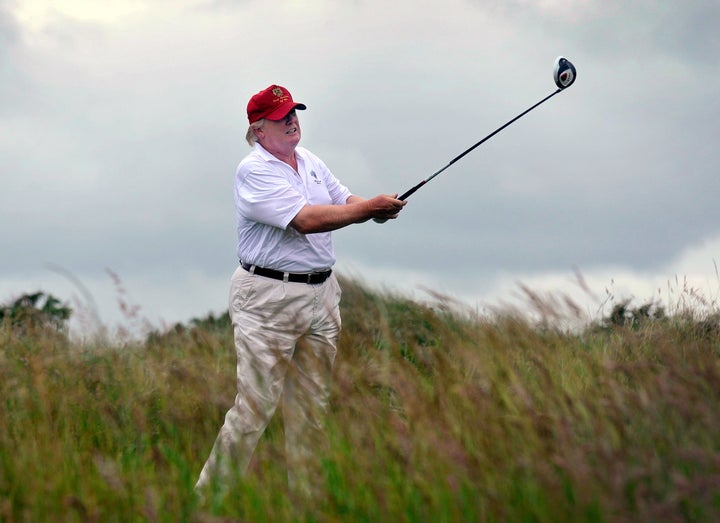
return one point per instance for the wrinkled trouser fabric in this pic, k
(286, 339)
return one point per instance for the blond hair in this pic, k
(250, 135)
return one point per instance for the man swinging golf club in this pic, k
(284, 297)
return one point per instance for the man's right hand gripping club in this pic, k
(385, 207)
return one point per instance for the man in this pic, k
(284, 297)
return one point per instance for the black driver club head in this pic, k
(564, 73)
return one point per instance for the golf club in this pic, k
(564, 74)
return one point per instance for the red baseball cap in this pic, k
(273, 103)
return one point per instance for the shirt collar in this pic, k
(266, 155)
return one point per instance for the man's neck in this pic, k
(287, 157)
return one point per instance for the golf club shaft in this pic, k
(411, 191)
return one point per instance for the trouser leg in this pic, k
(263, 354)
(244, 424)
(307, 390)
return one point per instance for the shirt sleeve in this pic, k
(262, 194)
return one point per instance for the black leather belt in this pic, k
(312, 278)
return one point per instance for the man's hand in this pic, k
(385, 207)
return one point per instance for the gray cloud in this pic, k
(9, 31)
(123, 139)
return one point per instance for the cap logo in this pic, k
(280, 96)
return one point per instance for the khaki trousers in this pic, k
(286, 339)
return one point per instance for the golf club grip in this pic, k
(405, 195)
(402, 197)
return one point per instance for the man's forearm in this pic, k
(324, 218)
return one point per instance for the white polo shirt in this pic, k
(268, 195)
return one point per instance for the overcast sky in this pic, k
(122, 124)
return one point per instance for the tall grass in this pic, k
(437, 415)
